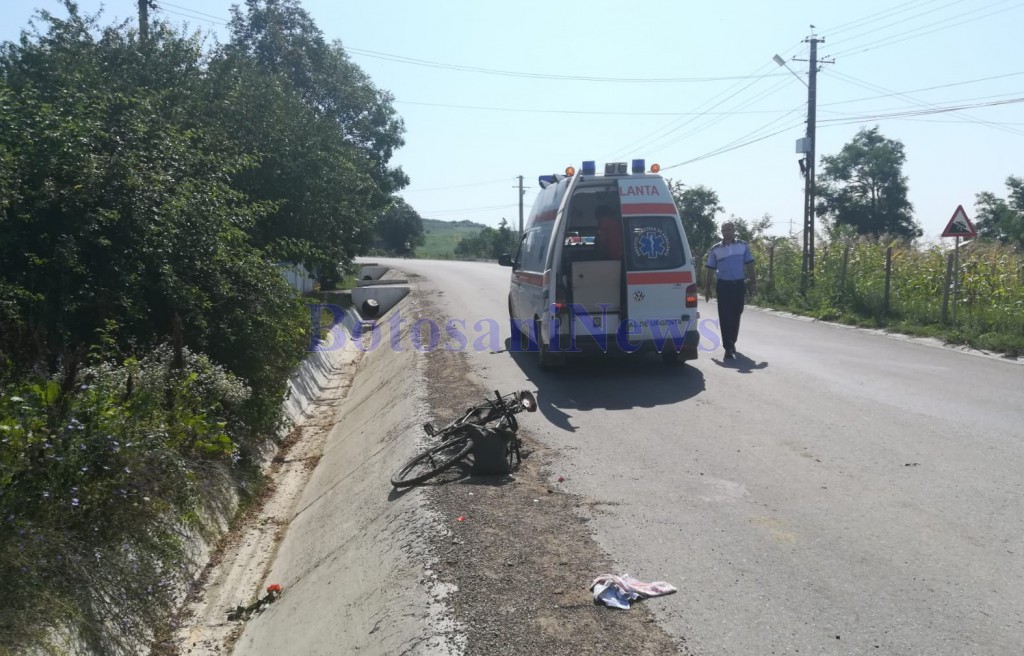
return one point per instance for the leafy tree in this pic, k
(322, 132)
(489, 243)
(752, 232)
(400, 225)
(121, 208)
(1002, 219)
(697, 208)
(864, 186)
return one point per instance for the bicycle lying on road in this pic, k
(459, 437)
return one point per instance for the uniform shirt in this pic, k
(729, 259)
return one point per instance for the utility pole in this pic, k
(807, 269)
(522, 192)
(809, 148)
(144, 20)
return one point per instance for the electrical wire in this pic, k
(722, 150)
(883, 17)
(849, 79)
(921, 112)
(916, 32)
(194, 17)
(194, 11)
(540, 76)
(470, 209)
(880, 15)
(940, 86)
(715, 101)
(580, 111)
(717, 119)
(460, 186)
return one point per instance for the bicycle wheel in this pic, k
(435, 460)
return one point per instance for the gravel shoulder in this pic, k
(522, 559)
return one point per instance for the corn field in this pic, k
(850, 285)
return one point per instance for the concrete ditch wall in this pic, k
(356, 578)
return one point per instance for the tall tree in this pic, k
(322, 132)
(864, 186)
(697, 208)
(1002, 219)
(400, 225)
(752, 231)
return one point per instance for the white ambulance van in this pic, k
(604, 267)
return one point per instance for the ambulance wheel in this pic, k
(516, 328)
(547, 360)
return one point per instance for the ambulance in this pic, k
(604, 267)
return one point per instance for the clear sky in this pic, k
(490, 91)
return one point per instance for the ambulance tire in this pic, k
(547, 360)
(516, 332)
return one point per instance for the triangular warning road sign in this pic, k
(959, 225)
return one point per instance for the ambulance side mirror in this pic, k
(505, 259)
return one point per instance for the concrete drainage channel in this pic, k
(348, 552)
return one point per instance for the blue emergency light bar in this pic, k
(589, 167)
(639, 166)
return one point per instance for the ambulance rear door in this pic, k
(657, 262)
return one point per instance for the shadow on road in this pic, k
(741, 363)
(607, 383)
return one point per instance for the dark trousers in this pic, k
(731, 294)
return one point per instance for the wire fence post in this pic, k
(771, 270)
(888, 280)
(945, 288)
(842, 273)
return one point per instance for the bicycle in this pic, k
(459, 436)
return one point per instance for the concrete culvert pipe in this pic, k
(367, 277)
(370, 307)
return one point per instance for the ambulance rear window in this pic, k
(653, 243)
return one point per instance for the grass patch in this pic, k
(441, 237)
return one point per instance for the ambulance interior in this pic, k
(588, 278)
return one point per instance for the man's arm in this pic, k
(709, 273)
(751, 277)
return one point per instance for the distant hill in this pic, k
(442, 236)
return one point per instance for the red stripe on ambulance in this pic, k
(662, 278)
(648, 208)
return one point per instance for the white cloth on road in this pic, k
(619, 591)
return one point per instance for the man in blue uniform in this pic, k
(732, 262)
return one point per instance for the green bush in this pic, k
(100, 478)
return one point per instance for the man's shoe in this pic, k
(729, 355)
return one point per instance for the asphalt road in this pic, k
(831, 491)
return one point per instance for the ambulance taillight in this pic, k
(691, 296)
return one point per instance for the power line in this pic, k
(468, 184)
(720, 151)
(924, 112)
(717, 119)
(884, 15)
(714, 101)
(910, 34)
(541, 76)
(470, 209)
(194, 11)
(877, 16)
(202, 18)
(528, 110)
(576, 111)
(940, 86)
(874, 87)
(976, 99)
